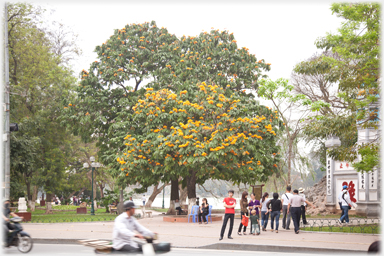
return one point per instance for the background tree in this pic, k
(293, 109)
(351, 62)
(38, 83)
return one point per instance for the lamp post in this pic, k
(163, 196)
(332, 141)
(93, 166)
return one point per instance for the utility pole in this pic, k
(7, 134)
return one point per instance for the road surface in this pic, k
(72, 250)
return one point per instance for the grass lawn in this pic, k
(159, 209)
(332, 216)
(39, 216)
(367, 229)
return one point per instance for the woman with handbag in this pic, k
(244, 212)
(203, 211)
(346, 205)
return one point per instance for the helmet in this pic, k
(128, 205)
(345, 187)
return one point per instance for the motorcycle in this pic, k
(22, 240)
(148, 247)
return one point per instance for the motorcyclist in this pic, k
(124, 230)
(6, 224)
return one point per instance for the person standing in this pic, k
(264, 211)
(229, 205)
(346, 204)
(286, 216)
(294, 207)
(143, 199)
(244, 211)
(345, 187)
(303, 206)
(275, 206)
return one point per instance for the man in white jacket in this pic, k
(345, 187)
(123, 230)
(345, 204)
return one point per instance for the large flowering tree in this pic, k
(144, 55)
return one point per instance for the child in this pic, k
(255, 225)
(229, 204)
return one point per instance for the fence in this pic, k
(356, 225)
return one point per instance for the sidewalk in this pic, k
(194, 235)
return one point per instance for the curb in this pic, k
(225, 246)
(277, 248)
(344, 233)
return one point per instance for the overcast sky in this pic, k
(282, 33)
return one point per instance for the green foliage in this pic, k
(17, 189)
(357, 45)
(350, 61)
(41, 149)
(141, 53)
(369, 158)
(280, 90)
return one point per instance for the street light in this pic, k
(93, 166)
(332, 141)
(163, 196)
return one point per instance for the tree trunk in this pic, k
(183, 194)
(155, 192)
(48, 204)
(289, 162)
(174, 196)
(29, 194)
(120, 206)
(191, 185)
(69, 197)
(274, 181)
(101, 186)
(34, 197)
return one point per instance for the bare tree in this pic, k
(64, 43)
(319, 86)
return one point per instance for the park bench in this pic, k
(148, 214)
(112, 209)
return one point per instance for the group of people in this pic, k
(291, 205)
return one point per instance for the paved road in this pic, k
(58, 249)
